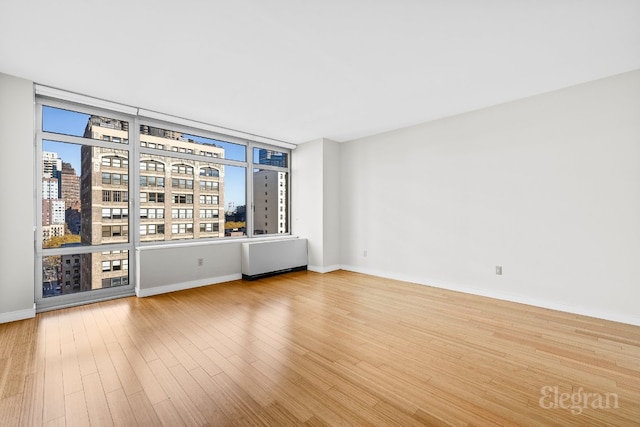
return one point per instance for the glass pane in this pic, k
(178, 142)
(68, 274)
(85, 193)
(234, 214)
(178, 196)
(263, 156)
(73, 123)
(270, 202)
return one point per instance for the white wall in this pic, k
(315, 201)
(176, 267)
(17, 290)
(306, 198)
(547, 187)
(162, 269)
(331, 220)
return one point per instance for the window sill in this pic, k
(228, 240)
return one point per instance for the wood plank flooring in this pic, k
(310, 349)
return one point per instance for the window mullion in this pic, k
(249, 208)
(134, 192)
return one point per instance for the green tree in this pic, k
(230, 225)
(57, 241)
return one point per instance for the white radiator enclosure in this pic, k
(261, 259)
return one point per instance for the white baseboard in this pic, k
(186, 285)
(326, 269)
(630, 319)
(18, 315)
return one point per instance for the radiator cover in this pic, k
(262, 259)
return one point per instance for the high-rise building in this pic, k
(273, 205)
(104, 204)
(70, 277)
(52, 209)
(73, 218)
(52, 212)
(70, 193)
(50, 163)
(272, 158)
(69, 185)
(269, 201)
(50, 188)
(52, 230)
(179, 198)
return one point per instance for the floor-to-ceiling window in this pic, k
(111, 181)
(83, 239)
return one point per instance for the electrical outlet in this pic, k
(499, 270)
(200, 262)
(364, 254)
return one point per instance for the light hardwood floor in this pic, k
(304, 348)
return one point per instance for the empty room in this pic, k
(320, 213)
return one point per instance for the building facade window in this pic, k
(151, 229)
(115, 213)
(208, 200)
(209, 185)
(209, 172)
(181, 213)
(182, 228)
(115, 162)
(151, 213)
(151, 166)
(182, 169)
(114, 178)
(183, 199)
(209, 227)
(182, 183)
(115, 231)
(151, 181)
(151, 197)
(209, 213)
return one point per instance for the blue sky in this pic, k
(73, 123)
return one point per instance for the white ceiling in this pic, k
(298, 70)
